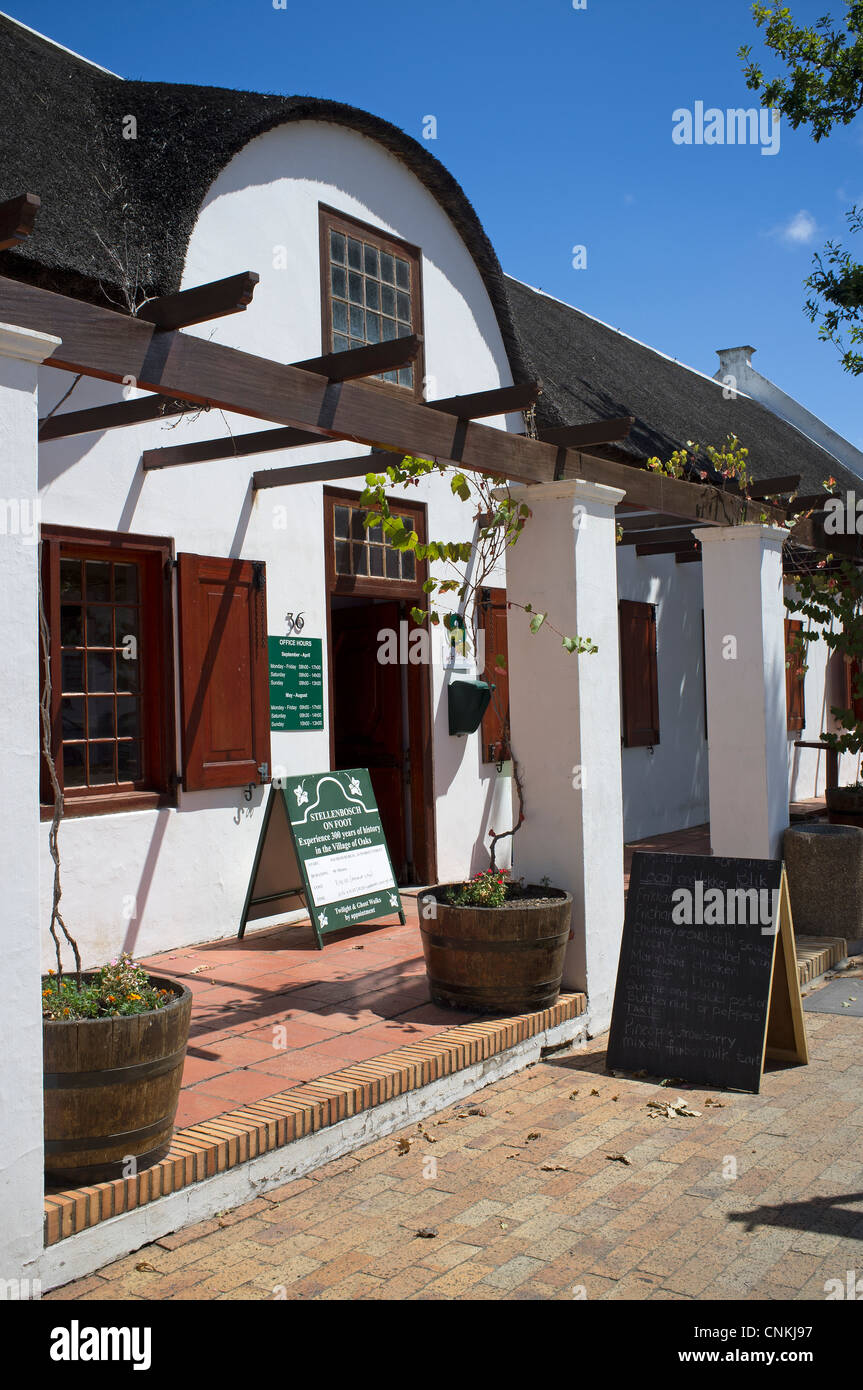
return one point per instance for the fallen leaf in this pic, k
(427, 1232)
(594, 1092)
(553, 1168)
(534, 1134)
(615, 1097)
(144, 1268)
(718, 1104)
(404, 1145)
(503, 1225)
(199, 969)
(668, 1110)
(620, 1158)
(572, 1096)
(640, 1073)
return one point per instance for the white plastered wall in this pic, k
(187, 869)
(666, 788)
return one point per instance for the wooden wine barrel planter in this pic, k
(111, 1087)
(496, 959)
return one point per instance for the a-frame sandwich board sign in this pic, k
(322, 843)
(706, 994)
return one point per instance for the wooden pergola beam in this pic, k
(687, 557)
(17, 217)
(102, 343)
(657, 536)
(227, 446)
(502, 400)
(369, 360)
(810, 502)
(809, 531)
(774, 487)
(327, 472)
(201, 303)
(117, 415)
(665, 547)
(597, 432)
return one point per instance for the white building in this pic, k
(162, 583)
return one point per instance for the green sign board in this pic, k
(296, 684)
(322, 840)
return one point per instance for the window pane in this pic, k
(359, 558)
(408, 564)
(340, 342)
(355, 253)
(126, 583)
(101, 763)
(341, 521)
(98, 580)
(337, 247)
(391, 376)
(128, 673)
(125, 625)
(128, 717)
(128, 761)
(403, 274)
(100, 671)
(71, 626)
(70, 579)
(72, 717)
(406, 376)
(388, 300)
(373, 328)
(72, 671)
(370, 259)
(375, 533)
(100, 716)
(389, 330)
(373, 294)
(357, 321)
(387, 268)
(340, 316)
(355, 288)
(392, 564)
(376, 560)
(358, 530)
(338, 280)
(403, 306)
(100, 626)
(73, 764)
(343, 557)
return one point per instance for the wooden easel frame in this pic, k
(785, 1033)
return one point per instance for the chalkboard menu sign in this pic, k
(699, 975)
(322, 841)
(296, 684)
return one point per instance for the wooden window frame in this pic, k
(366, 585)
(626, 737)
(330, 217)
(795, 678)
(156, 554)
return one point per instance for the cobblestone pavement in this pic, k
(557, 1183)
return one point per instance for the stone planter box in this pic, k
(824, 864)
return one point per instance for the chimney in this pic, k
(733, 361)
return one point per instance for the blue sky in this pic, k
(557, 122)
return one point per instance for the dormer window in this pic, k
(370, 291)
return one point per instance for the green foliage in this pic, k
(732, 461)
(823, 88)
(825, 65)
(500, 520)
(486, 889)
(118, 989)
(832, 600)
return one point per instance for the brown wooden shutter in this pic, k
(794, 674)
(495, 721)
(852, 676)
(224, 672)
(639, 674)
